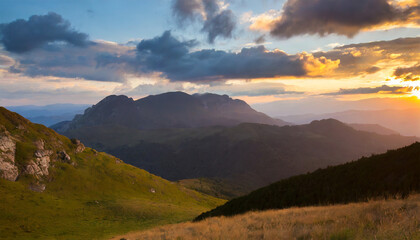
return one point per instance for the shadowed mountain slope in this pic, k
(395, 173)
(248, 155)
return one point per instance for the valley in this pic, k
(246, 156)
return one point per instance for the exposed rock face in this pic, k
(40, 165)
(8, 170)
(27, 150)
(64, 156)
(79, 146)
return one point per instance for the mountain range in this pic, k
(174, 136)
(168, 110)
(49, 114)
(404, 121)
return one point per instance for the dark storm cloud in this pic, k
(343, 17)
(222, 24)
(72, 62)
(22, 35)
(216, 22)
(166, 55)
(174, 59)
(409, 73)
(166, 46)
(382, 89)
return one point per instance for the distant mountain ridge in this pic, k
(168, 110)
(49, 114)
(374, 128)
(405, 122)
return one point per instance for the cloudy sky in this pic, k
(260, 51)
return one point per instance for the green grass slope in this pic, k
(395, 173)
(95, 198)
(214, 187)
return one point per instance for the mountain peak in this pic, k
(330, 122)
(115, 98)
(170, 110)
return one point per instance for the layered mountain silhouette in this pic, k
(168, 110)
(405, 122)
(173, 135)
(392, 174)
(375, 128)
(52, 187)
(49, 114)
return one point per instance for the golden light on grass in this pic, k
(384, 219)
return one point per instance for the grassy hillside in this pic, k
(92, 196)
(390, 220)
(395, 173)
(214, 187)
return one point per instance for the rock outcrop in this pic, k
(64, 157)
(8, 169)
(40, 164)
(29, 149)
(37, 166)
(79, 146)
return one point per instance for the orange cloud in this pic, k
(320, 66)
(265, 21)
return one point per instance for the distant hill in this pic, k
(52, 187)
(374, 128)
(395, 173)
(168, 110)
(49, 114)
(247, 155)
(405, 122)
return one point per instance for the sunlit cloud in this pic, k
(411, 73)
(384, 89)
(341, 17)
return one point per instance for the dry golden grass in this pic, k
(385, 219)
